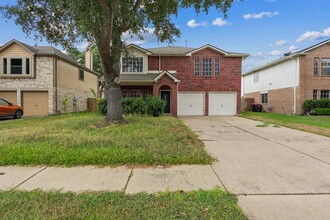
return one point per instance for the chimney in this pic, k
(89, 59)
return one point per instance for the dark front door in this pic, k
(166, 96)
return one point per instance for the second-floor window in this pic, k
(196, 67)
(325, 70)
(207, 67)
(256, 78)
(132, 64)
(16, 66)
(316, 66)
(217, 67)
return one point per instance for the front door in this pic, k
(166, 96)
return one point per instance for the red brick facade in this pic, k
(228, 80)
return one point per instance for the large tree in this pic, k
(103, 22)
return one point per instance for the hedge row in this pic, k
(313, 104)
(322, 111)
(150, 105)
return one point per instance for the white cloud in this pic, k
(64, 51)
(260, 15)
(275, 53)
(192, 23)
(293, 48)
(220, 22)
(281, 42)
(83, 45)
(314, 35)
(147, 37)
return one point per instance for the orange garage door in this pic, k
(35, 103)
(10, 96)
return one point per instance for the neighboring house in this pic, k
(283, 85)
(202, 81)
(39, 79)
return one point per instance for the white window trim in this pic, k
(122, 63)
(9, 74)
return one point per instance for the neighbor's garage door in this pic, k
(191, 103)
(10, 96)
(35, 103)
(222, 103)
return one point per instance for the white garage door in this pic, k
(191, 103)
(222, 103)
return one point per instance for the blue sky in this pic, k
(265, 29)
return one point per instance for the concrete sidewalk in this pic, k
(128, 180)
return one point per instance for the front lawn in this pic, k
(314, 124)
(81, 139)
(214, 204)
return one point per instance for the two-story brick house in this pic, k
(202, 81)
(283, 85)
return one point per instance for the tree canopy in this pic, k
(103, 22)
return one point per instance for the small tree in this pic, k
(103, 22)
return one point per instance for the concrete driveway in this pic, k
(277, 173)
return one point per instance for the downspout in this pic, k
(159, 68)
(55, 83)
(295, 87)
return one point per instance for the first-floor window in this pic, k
(325, 94)
(315, 92)
(264, 98)
(135, 93)
(145, 93)
(125, 93)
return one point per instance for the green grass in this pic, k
(214, 204)
(82, 139)
(314, 124)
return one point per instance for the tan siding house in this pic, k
(40, 78)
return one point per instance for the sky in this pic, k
(265, 29)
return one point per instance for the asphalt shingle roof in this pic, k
(171, 50)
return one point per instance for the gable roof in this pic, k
(174, 51)
(290, 56)
(185, 51)
(225, 53)
(48, 51)
(139, 48)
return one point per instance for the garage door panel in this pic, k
(191, 103)
(35, 103)
(10, 96)
(222, 103)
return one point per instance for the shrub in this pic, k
(150, 105)
(156, 106)
(144, 106)
(102, 106)
(309, 104)
(322, 111)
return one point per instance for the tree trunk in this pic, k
(114, 100)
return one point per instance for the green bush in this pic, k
(144, 106)
(309, 104)
(150, 105)
(322, 111)
(102, 106)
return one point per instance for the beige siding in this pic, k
(16, 51)
(10, 96)
(67, 76)
(138, 53)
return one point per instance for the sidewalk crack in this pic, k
(30, 177)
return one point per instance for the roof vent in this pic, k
(287, 54)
